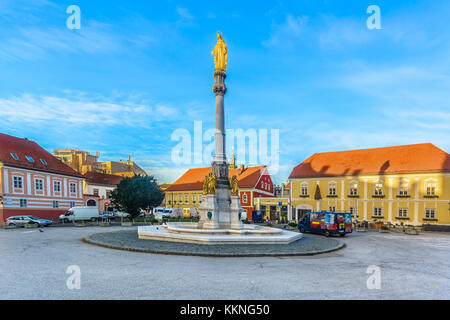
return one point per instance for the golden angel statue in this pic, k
(220, 53)
(205, 185)
(212, 183)
(234, 185)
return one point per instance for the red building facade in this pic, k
(34, 182)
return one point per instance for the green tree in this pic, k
(135, 194)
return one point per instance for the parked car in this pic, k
(327, 223)
(257, 216)
(120, 214)
(20, 221)
(80, 214)
(163, 214)
(110, 215)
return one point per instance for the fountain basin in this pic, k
(191, 233)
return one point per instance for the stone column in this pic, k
(220, 89)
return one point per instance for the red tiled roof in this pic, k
(24, 147)
(424, 157)
(102, 178)
(193, 178)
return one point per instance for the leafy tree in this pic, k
(135, 194)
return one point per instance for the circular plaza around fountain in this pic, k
(128, 240)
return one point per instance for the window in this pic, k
(332, 189)
(304, 189)
(403, 187)
(353, 188)
(244, 198)
(402, 212)
(43, 162)
(18, 182)
(57, 186)
(430, 213)
(180, 197)
(353, 211)
(109, 193)
(39, 185)
(73, 188)
(186, 198)
(378, 189)
(332, 208)
(96, 192)
(23, 203)
(72, 204)
(15, 156)
(430, 187)
(55, 204)
(377, 212)
(30, 159)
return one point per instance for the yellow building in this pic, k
(80, 161)
(409, 184)
(83, 162)
(121, 168)
(276, 206)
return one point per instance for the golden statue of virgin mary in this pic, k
(220, 54)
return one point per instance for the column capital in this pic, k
(219, 87)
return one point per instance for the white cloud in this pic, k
(185, 14)
(287, 32)
(342, 32)
(34, 43)
(83, 110)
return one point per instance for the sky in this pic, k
(137, 71)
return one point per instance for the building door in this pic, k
(273, 213)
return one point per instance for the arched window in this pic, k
(403, 187)
(332, 188)
(91, 203)
(378, 188)
(304, 189)
(353, 191)
(431, 187)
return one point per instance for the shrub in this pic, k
(292, 224)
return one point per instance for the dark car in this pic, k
(327, 223)
(257, 216)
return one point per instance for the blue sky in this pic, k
(138, 70)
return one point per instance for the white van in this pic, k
(80, 213)
(174, 212)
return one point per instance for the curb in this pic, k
(340, 245)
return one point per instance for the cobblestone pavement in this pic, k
(127, 239)
(34, 266)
